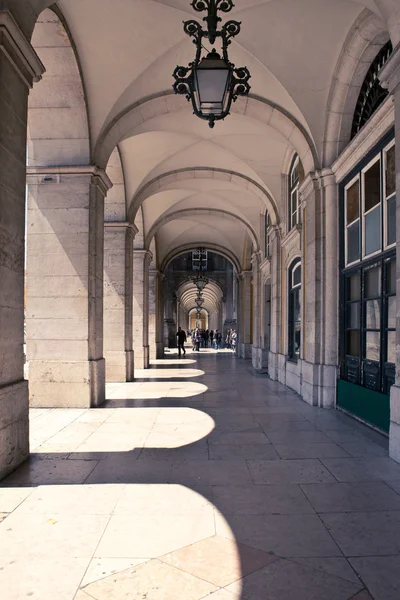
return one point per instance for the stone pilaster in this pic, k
(118, 323)
(244, 346)
(141, 263)
(276, 313)
(20, 67)
(320, 286)
(390, 78)
(64, 286)
(257, 337)
(155, 339)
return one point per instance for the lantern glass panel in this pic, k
(212, 82)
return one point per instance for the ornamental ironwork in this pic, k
(211, 82)
(372, 94)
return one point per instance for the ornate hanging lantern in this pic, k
(200, 281)
(211, 81)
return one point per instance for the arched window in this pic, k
(296, 176)
(267, 234)
(295, 309)
(372, 94)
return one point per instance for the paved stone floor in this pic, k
(201, 480)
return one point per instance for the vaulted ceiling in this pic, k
(172, 163)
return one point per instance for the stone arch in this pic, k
(155, 185)
(58, 123)
(365, 39)
(189, 212)
(211, 247)
(115, 201)
(261, 109)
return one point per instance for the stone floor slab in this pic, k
(215, 472)
(310, 450)
(218, 560)
(138, 537)
(284, 535)
(381, 575)
(363, 469)
(351, 497)
(50, 472)
(245, 451)
(153, 580)
(293, 471)
(287, 580)
(261, 500)
(365, 533)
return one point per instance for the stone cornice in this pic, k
(51, 175)
(379, 124)
(15, 46)
(244, 274)
(390, 74)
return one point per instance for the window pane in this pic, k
(373, 345)
(373, 231)
(392, 312)
(353, 315)
(391, 277)
(372, 186)
(293, 206)
(296, 276)
(391, 347)
(353, 242)
(297, 323)
(373, 282)
(353, 343)
(373, 309)
(353, 287)
(390, 172)
(353, 202)
(391, 220)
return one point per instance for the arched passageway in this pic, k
(114, 197)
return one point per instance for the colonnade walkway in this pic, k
(201, 480)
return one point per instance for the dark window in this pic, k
(267, 234)
(296, 176)
(199, 260)
(372, 93)
(368, 307)
(295, 309)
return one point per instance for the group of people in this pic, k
(203, 338)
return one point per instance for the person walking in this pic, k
(181, 335)
(211, 337)
(218, 338)
(197, 340)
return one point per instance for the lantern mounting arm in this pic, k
(185, 76)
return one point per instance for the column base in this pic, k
(245, 350)
(142, 358)
(14, 426)
(67, 384)
(118, 367)
(260, 359)
(130, 365)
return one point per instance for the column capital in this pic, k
(61, 174)
(316, 180)
(256, 259)
(144, 255)
(389, 76)
(124, 225)
(20, 53)
(245, 274)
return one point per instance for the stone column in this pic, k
(276, 313)
(118, 325)
(155, 339)
(141, 263)
(390, 78)
(64, 286)
(330, 279)
(160, 316)
(19, 68)
(257, 341)
(245, 314)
